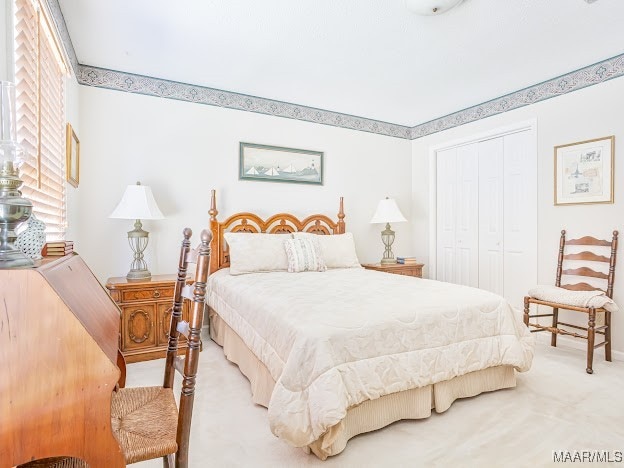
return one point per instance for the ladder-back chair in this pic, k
(563, 269)
(146, 420)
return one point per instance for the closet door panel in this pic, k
(491, 215)
(520, 216)
(467, 229)
(446, 215)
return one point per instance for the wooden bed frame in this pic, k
(281, 223)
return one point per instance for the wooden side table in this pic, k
(145, 315)
(413, 269)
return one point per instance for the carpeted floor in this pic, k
(555, 406)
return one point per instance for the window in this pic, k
(40, 104)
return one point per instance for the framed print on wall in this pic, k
(584, 172)
(278, 164)
(72, 161)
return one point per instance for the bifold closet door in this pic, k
(520, 216)
(458, 215)
(486, 215)
(491, 206)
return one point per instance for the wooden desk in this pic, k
(58, 353)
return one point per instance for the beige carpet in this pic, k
(556, 406)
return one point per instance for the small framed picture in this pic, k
(277, 164)
(72, 161)
(584, 172)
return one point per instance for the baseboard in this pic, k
(569, 342)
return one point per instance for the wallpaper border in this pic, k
(139, 84)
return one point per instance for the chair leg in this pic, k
(591, 335)
(555, 322)
(526, 310)
(168, 461)
(608, 335)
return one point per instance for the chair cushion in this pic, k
(145, 420)
(597, 299)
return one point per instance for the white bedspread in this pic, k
(334, 339)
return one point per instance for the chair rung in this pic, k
(598, 329)
(573, 326)
(541, 315)
(557, 330)
(536, 331)
(600, 344)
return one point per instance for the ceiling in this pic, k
(369, 58)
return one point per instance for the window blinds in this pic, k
(40, 104)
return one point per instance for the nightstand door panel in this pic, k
(164, 321)
(139, 326)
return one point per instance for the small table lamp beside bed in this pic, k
(343, 350)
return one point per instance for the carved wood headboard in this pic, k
(281, 223)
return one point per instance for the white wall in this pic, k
(589, 113)
(182, 150)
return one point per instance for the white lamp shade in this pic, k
(137, 203)
(430, 7)
(388, 212)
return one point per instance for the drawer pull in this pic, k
(156, 294)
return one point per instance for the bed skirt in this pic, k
(369, 415)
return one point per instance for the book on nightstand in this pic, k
(407, 260)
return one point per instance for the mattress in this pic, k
(331, 341)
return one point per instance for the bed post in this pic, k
(215, 248)
(341, 215)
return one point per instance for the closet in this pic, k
(486, 214)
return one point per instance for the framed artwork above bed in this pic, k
(278, 164)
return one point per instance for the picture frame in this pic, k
(584, 172)
(279, 164)
(72, 157)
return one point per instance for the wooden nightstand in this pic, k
(145, 315)
(398, 268)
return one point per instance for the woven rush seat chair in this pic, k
(146, 420)
(580, 297)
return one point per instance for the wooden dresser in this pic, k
(58, 354)
(145, 315)
(398, 268)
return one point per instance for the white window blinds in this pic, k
(40, 97)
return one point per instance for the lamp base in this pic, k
(14, 259)
(138, 275)
(387, 261)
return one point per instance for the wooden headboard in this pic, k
(281, 223)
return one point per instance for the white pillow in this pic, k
(304, 254)
(337, 250)
(254, 253)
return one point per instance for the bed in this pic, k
(338, 353)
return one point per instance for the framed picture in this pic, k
(277, 164)
(584, 172)
(72, 161)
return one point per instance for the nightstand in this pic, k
(145, 315)
(413, 269)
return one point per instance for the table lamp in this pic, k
(387, 212)
(137, 203)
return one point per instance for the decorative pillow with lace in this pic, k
(303, 255)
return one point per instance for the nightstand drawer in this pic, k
(146, 294)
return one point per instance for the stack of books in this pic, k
(407, 260)
(57, 248)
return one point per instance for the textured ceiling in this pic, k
(370, 58)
